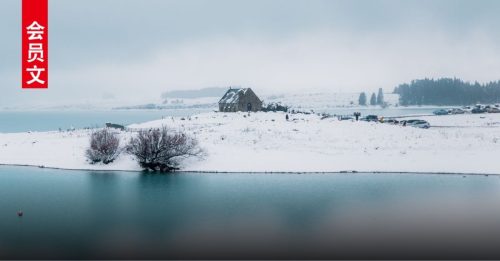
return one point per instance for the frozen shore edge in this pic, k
(259, 172)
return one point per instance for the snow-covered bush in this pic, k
(273, 107)
(104, 146)
(162, 149)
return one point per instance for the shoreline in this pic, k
(261, 172)
(269, 143)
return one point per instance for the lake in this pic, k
(129, 215)
(21, 121)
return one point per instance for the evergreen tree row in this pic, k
(374, 99)
(448, 92)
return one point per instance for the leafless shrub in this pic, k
(104, 147)
(162, 149)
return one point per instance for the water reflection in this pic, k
(135, 215)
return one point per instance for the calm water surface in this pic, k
(120, 215)
(21, 121)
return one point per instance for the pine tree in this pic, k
(447, 92)
(373, 99)
(362, 99)
(380, 97)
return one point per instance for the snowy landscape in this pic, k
(267, 142)
(250, 130)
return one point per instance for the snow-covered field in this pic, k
(324, 100)
(266, 142)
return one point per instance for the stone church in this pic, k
(240, 99)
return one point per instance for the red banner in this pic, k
(35, 51)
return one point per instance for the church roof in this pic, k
(233, 95)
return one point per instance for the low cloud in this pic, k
(319, 61)
(273, 46)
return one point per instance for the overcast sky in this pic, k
(136, 49)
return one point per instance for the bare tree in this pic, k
(162, 149)
(104, 146)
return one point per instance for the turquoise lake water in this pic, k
(128, 215)
(21, 121)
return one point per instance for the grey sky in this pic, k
(135, 49)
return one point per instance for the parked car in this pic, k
(405, 122)
(345, 118)
(440, 112)
(456, 111)
(391, 121)
(478, 110)
(371, 118)
(493, 110)
(467, 109)
(418, 124)
(408, 121)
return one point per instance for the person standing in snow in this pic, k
(286, 117)
(357, 114)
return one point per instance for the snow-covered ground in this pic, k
(320, 101)
(266, 142)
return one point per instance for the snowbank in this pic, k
(266, 142)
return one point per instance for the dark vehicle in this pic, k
(478, 110)
(115, 126)
(371, 118)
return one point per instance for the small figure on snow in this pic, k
(357, 115)
(287, 118)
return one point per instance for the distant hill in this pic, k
(190, 94)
